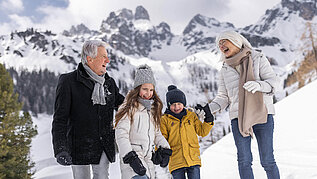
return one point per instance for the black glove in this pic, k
(135, 163)
(165, 153)
(64, 158)
(208, 115)
(157, 157)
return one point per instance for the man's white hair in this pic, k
(90, 48)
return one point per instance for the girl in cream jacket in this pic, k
(137, 128)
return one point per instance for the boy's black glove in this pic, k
(64, 158)
(166, 153)
(157, 156)
(135, 163)
(208, 115)
(161, 156)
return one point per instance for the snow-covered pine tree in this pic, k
(16, 132)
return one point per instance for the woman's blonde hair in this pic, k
(131, 104)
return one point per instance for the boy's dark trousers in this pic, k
(193, 172)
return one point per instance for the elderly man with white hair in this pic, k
(82, 129)
(246, 83)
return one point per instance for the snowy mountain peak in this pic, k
(141, 13)
(126, 14)
(134, 34)
(77, 30)
(116, 19)
(307, 8)
(19, 40)
(200, 20)
(123, 17)
(285, 11)
(289, 16)
(164, 26)
(201, 32)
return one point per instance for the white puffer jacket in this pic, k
(140, 136)
(228, 85)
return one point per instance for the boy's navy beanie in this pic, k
(174, 95)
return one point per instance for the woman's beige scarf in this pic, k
(252, 109)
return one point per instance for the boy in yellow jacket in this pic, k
(180, 127)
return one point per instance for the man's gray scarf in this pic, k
(147, 103)
(98, 94)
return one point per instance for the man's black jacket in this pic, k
(80, 128)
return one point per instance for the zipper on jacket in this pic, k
(148, 133)
(138, 125)
(180, 132)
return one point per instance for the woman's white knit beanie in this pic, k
(237, 39)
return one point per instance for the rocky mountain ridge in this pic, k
(133, 40)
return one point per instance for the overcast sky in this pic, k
(59, 15)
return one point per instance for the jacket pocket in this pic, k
(194, 152)
(177, 156)
(138, 148)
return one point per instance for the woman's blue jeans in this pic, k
(193, 172)
(264, 136)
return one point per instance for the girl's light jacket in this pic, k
(140, 136)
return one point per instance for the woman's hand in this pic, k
(252, 86)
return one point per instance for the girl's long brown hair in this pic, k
(131, 104)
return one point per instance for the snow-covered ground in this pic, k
(295, 141)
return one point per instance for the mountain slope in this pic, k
(295, 142)
(279, 31)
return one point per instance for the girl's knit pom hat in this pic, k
(143, 74)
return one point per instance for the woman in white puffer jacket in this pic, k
(138, 129)
(246, 83)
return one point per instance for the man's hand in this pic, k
(64, 158)
(252, 86)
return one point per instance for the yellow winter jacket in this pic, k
(183, 139)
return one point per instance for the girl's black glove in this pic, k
(135, 163)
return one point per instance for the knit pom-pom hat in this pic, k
(143, 74)
(175, 95)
